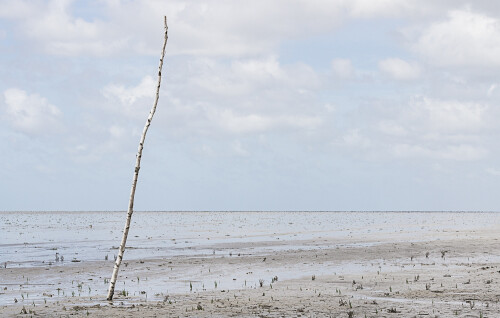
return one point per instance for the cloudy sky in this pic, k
(264, 105)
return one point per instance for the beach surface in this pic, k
(249, 264)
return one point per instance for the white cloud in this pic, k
(399, 69)
(434, 119)
(128, 97)
(222, 28)
(57, 32)
(31, 114)
(259, 69)
(229, 28)
(353, 138)
(249, 76)
(17, 9)
(116, 131)
(492, 88)
(423, 128)
(343, 68)
(384, 8)
(252, 123)
(223, 99)
(449, 115)
(465, 38)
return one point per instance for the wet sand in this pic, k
(440, 274)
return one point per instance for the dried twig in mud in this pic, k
(136, 173)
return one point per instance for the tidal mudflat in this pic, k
(252, 264)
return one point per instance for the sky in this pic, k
(264, 105)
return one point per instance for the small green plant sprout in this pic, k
(199, 307)
(215, 283)
(190, 286)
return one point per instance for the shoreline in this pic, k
(212, 265)
(457, 278)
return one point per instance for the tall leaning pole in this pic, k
(130, 210)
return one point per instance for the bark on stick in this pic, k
(130, 210)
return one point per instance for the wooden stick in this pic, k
(112, 282)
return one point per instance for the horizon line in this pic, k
(259, 211)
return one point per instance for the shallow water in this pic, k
(32, 239)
